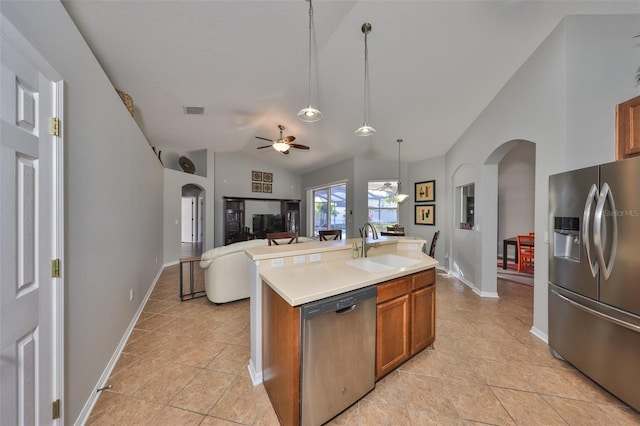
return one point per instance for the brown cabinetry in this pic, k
(405, 319)
(405, 324)
(628, 129)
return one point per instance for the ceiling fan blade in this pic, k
(264, 139)
(288, 139)
(265, 146)
(285, 152)
(297, 145)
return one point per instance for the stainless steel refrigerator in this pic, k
(594, 274)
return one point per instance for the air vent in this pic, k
(193, 110)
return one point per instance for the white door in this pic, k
(30, 333)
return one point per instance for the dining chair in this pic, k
(272, 237)
(330, 234)
(432, 250)
(526, 252)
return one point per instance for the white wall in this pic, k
(113, 202)
(516, 189)
(233, 179)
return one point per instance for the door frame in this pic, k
(13, 36)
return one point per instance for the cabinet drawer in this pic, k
(393, 289)
(423, 279)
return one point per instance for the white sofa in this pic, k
(226, 270)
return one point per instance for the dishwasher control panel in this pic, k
(337, 303)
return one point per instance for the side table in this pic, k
(192, 293)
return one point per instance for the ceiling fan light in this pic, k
(365, 130)
(281, 146)
(309, 114)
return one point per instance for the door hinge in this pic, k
(55, 268)
(54, 127)
(55, 409)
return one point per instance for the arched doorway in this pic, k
(192, 219)
(515, 207)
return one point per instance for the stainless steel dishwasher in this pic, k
(338, 353)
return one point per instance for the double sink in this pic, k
(382, 263)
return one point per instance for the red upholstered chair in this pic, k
(526, 252)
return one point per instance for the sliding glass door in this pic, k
(330, 208)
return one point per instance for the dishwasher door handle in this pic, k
(345, 310)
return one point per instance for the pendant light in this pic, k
(399, 197)
(310, 114)
(365, 130)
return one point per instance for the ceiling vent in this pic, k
(193, 110)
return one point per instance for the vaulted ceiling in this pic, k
(433, 67)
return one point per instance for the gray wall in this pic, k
(561, 99)
(113, 202)
(357, 172)
(173, 182)
(233, 179)
(420, 171)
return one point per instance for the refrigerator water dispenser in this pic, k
(566, 238)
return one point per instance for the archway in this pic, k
(514, 212)
(192, 219)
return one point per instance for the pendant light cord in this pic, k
(310, 29)
(366, 76)
(399, 183)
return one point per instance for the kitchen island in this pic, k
(285, 278)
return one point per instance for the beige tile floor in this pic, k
(186, 364)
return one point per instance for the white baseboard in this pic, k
(540, 334)
(256, 377)
(102, 382)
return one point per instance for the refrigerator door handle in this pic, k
(605, 317)
(607, 266)
(593, 262)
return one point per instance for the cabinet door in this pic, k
(423, 318)
(392, 334)
(628, 129)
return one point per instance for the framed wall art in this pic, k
(266, 187)
(256, 177)
(425, 191)
(425, 215)
(267, 177)
(256, 186)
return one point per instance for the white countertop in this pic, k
(303, 283)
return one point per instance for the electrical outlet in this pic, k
(131, 295)
(315, 257)
(298, 259)
(277, 262)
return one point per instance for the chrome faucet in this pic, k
(374, 234)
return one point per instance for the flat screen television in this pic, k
(265, 223)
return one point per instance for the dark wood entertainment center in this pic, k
(236, 228)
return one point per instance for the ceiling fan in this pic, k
(283, 144)
(387, 187)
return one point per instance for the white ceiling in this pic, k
(433, 67)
